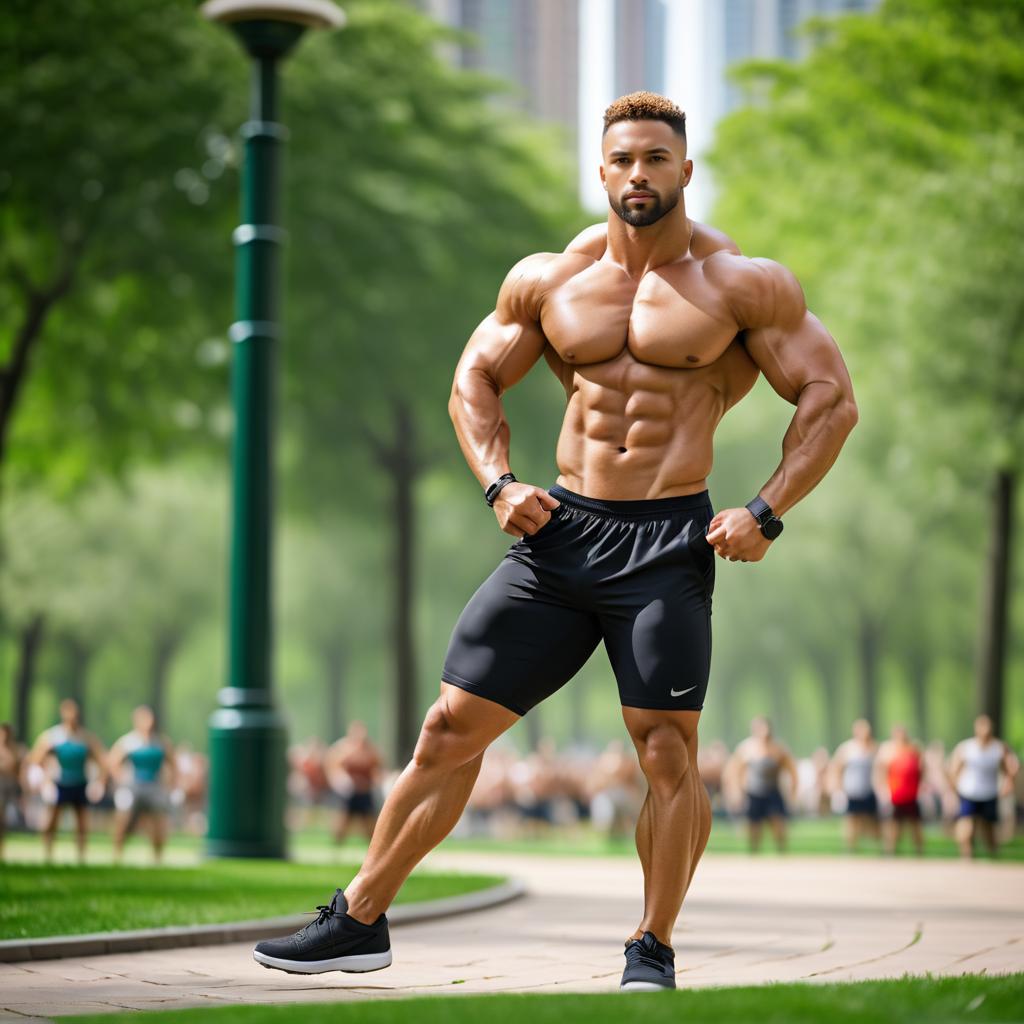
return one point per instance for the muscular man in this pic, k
(655, 328)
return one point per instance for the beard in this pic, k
(656, 209)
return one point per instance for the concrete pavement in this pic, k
(746, 921)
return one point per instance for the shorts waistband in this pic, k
(655, 508)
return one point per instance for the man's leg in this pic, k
(675, 820)
(777, 823)
(429, 796)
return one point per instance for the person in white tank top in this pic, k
(974, 770)
(851, 774)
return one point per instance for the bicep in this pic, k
(509, 341)
(797, 355)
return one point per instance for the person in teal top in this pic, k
(143, 763)
(70, 748)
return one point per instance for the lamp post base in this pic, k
(248, 768)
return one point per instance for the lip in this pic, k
(638, 195)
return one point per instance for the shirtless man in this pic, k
(353, 767)
(756, 770)
(654, 330)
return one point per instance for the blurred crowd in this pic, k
(884, 790)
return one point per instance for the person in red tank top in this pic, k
(899, 763)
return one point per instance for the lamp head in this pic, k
(270, 28)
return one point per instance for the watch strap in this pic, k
(492, 492)
(760, 509)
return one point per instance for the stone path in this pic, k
(746, 921)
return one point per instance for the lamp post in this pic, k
(247, 733)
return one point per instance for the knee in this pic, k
(442, 744)
(664, 755)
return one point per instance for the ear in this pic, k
(687, 173)
(604, 182)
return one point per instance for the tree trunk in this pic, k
(164, 650)
(992, 663)
(404, 469)
(918, 664)
(870, 640)
(333, 659)
(30, 641)
(79, 655)
(38, 304)
(825, 664)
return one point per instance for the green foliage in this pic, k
(886, 171)
(113, 174)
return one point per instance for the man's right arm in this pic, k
(499, 354)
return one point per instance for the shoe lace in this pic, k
(325, 913)
(636, 955)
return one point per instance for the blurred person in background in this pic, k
(536, 785)
(192, 770)
(71, 748)
(898, 768)
(711, 762)
(938, 795)
(852, 773)
(353, 767)
(757, 766)
(12, 754)
(616, 794)
(974, 769)
(307, 780)
(142, 765)
(491, 799)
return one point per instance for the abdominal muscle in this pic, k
(635, 432)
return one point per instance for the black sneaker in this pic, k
(333, 942)
(650, 966)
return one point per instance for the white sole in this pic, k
(355, 964)
(645, 986)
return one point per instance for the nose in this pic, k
(637, 175)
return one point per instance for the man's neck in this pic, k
(638, 250)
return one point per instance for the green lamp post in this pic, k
(247, 732)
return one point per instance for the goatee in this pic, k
(654, 211)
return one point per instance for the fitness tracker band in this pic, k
(770, 523)
(492, 492)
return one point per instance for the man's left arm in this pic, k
(803, 364)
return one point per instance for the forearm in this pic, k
(824, 417)
(478, 415)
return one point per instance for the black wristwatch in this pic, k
(770, 523)
(492, 492)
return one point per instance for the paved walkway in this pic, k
(747, 921)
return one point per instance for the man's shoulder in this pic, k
(530, 280)
(759, 291)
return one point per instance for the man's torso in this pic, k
(649, 368)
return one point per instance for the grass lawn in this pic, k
(911, 1000)
(65, 900)
(313, 844)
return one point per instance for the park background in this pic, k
(885, 167)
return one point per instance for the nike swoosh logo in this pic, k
(679, 693)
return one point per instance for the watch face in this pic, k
(771, 528)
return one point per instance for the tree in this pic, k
(109, 286)
(886, 170)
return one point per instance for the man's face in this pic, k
(644, 170)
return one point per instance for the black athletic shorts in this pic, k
(636, 574)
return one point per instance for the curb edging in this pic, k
(103, 943)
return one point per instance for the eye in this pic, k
(657, 158)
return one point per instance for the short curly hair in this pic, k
(646, 106)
